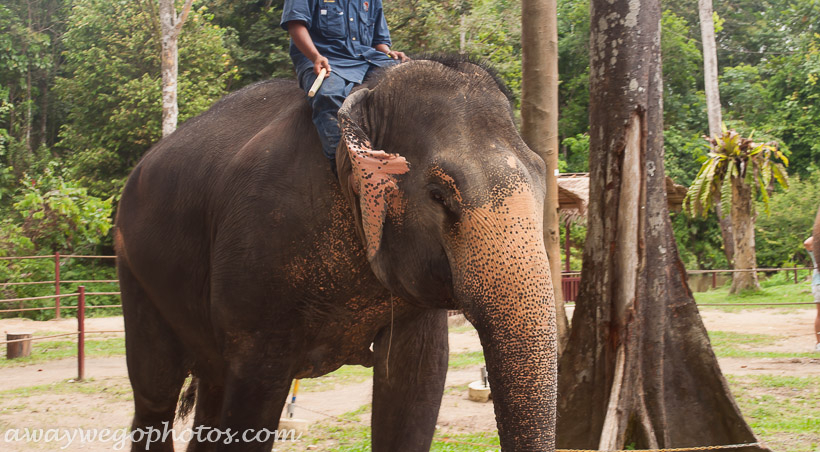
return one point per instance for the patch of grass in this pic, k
(470, 442)
(784, 292)
(355, 415)
(42, 351)
(117, 388)
(344, 375)
(467, 327)
(457, 390)
(782, 411)
(333, 436)
(738, 345)
(466, 359)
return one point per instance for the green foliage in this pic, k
(577, 239)
(684, 154)
(734, 159)
(780, 235)
(491, 31)
(700, 244)
(576, 153)
(684, 105)
(112, 82)
(57, 215)
(573, 68)
(258, 46)
(48, 213)
(29, 56)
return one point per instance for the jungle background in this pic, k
(80, 103)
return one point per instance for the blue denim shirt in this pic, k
(343, 31)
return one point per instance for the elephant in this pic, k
(246, 262)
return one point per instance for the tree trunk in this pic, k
(539, 125)
(638, 368)
(170, 27)
(710, 79)
(743, 225)
(710, 67)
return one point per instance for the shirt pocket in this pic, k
(332, 21)
(366, 26)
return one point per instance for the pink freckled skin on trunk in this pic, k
(503, 271)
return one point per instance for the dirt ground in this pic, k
(45, 396)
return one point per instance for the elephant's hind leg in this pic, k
(208, 408)
(156, 366)
(409, 383)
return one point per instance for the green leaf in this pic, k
(779, 173)
(764, 195)
(726, 189)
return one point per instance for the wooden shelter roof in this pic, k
(573, 195)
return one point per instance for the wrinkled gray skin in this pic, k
(243, 261)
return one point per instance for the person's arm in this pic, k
(301, 39)
(384, 48)
(381, 35)
(808, 244)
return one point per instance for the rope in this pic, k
(672, 449)
(46, 297)
(754, 304)
(447, 439)
(39, 338)
(345, 421)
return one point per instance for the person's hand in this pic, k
(398, 56)
(321, 63)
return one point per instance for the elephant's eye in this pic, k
(438, 196)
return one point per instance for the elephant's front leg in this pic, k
(408, 381)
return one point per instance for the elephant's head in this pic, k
(449, 203)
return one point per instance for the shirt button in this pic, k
(354, 39)
(351, 19)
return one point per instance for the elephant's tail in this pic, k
(187, 400)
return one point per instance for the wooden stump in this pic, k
(18, 349)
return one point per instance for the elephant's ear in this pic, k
(367, 175)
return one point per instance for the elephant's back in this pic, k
(209, 141)
(191, 180)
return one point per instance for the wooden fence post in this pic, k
(57, 284)
(81, 335)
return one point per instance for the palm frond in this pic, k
(764, 195)
(780, 175)
(726, 189)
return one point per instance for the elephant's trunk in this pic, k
(504, 286)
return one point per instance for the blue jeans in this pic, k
(326, 104)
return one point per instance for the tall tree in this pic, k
(710, 66)
(111, 80)
(539, 124)
(638, 368)
(738, 168)
(710, 83)
(170, 27)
